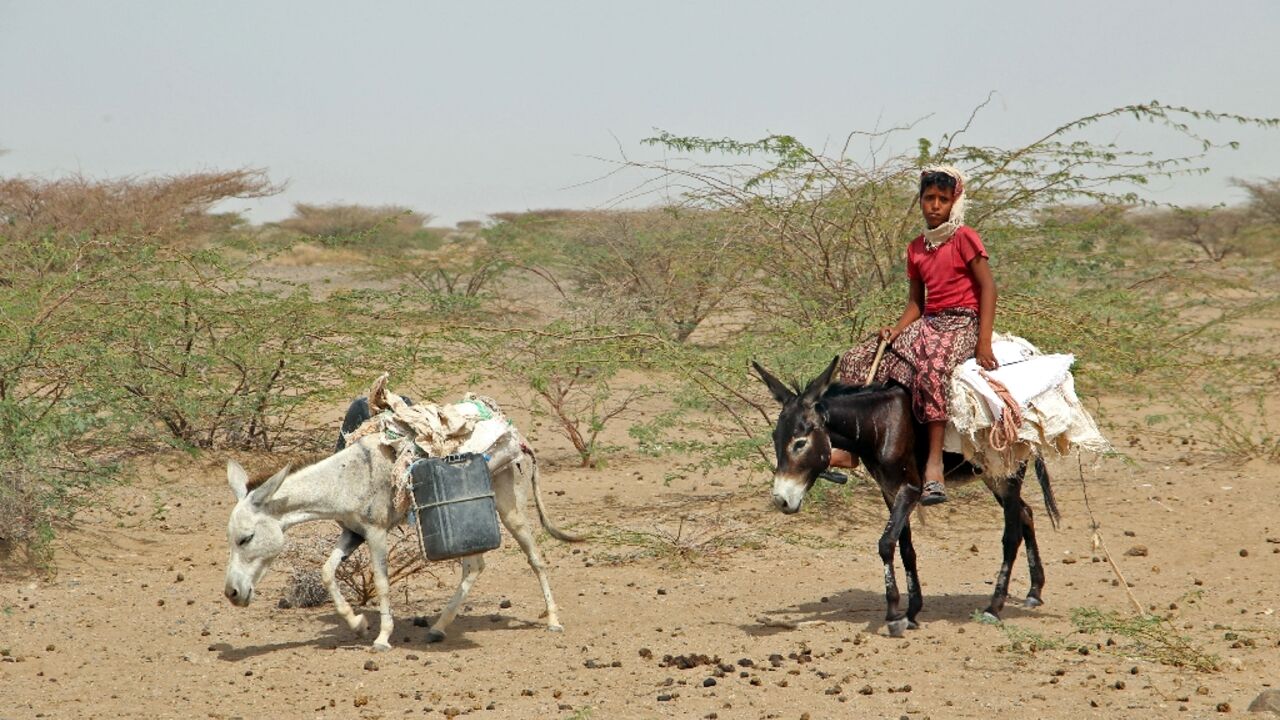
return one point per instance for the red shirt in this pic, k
(948, 279)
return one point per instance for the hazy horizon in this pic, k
(459, 111)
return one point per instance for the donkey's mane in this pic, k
(295, 463)
(839, 389)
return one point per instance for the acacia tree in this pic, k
(826, 231)
(822, 235)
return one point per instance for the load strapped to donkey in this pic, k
(444, 457)
(1025, 408)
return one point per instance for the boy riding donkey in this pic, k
(950, 312)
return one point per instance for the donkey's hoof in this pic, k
(1032, 602)
(435, 636)
(989, 617)
(897, 628)
(912, 624)
(379, 647)
(555, 628)
(361, 625)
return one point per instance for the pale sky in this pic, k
(460, 109)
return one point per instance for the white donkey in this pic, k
(355, 488)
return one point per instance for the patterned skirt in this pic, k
(921, 358)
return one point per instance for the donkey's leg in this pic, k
(378, 558)
(899, 511)
(347, 544)
(508, 490)
(472, 566)
(915, 597)
(1011, 539)
(1034, 595)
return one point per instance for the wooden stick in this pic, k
(875, 364)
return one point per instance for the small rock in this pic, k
(866, 690)
(1244, 552)
(504, 604)
(360, 700)
(662, 591)
(370, 665)
(1119, 685)
(1137, 551)
(1130, 533)
(526, 693)
(833, 690)
(48, 648)
(709, 682)
(746, 662)
(664, 697)
(1202, 690)
(646, 653)
(1224, 707)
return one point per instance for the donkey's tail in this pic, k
(554, 531)
(1050, 502)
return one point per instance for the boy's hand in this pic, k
(986, 359)
(889, 333)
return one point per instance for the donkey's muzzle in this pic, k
(784, 505)
(237, 598)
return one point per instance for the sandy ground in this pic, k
(134, 623)
(779, 616)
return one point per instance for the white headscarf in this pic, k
(935, 237)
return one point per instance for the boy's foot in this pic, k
(934, 492)
(843, 458)
(833, 475)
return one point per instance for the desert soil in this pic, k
(134, 623)
(698, 569)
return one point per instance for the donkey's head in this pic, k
(800, 438)
(255, 536)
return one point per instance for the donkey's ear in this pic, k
(777, 388)
(238, 479)
(818, 386)
(264, 491)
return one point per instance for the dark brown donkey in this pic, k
(876, 424)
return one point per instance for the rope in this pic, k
(1100, 544)
(1004, 431)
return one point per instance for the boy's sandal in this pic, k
(934, 493)
(834, 476)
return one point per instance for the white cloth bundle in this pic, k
(1052, 415)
